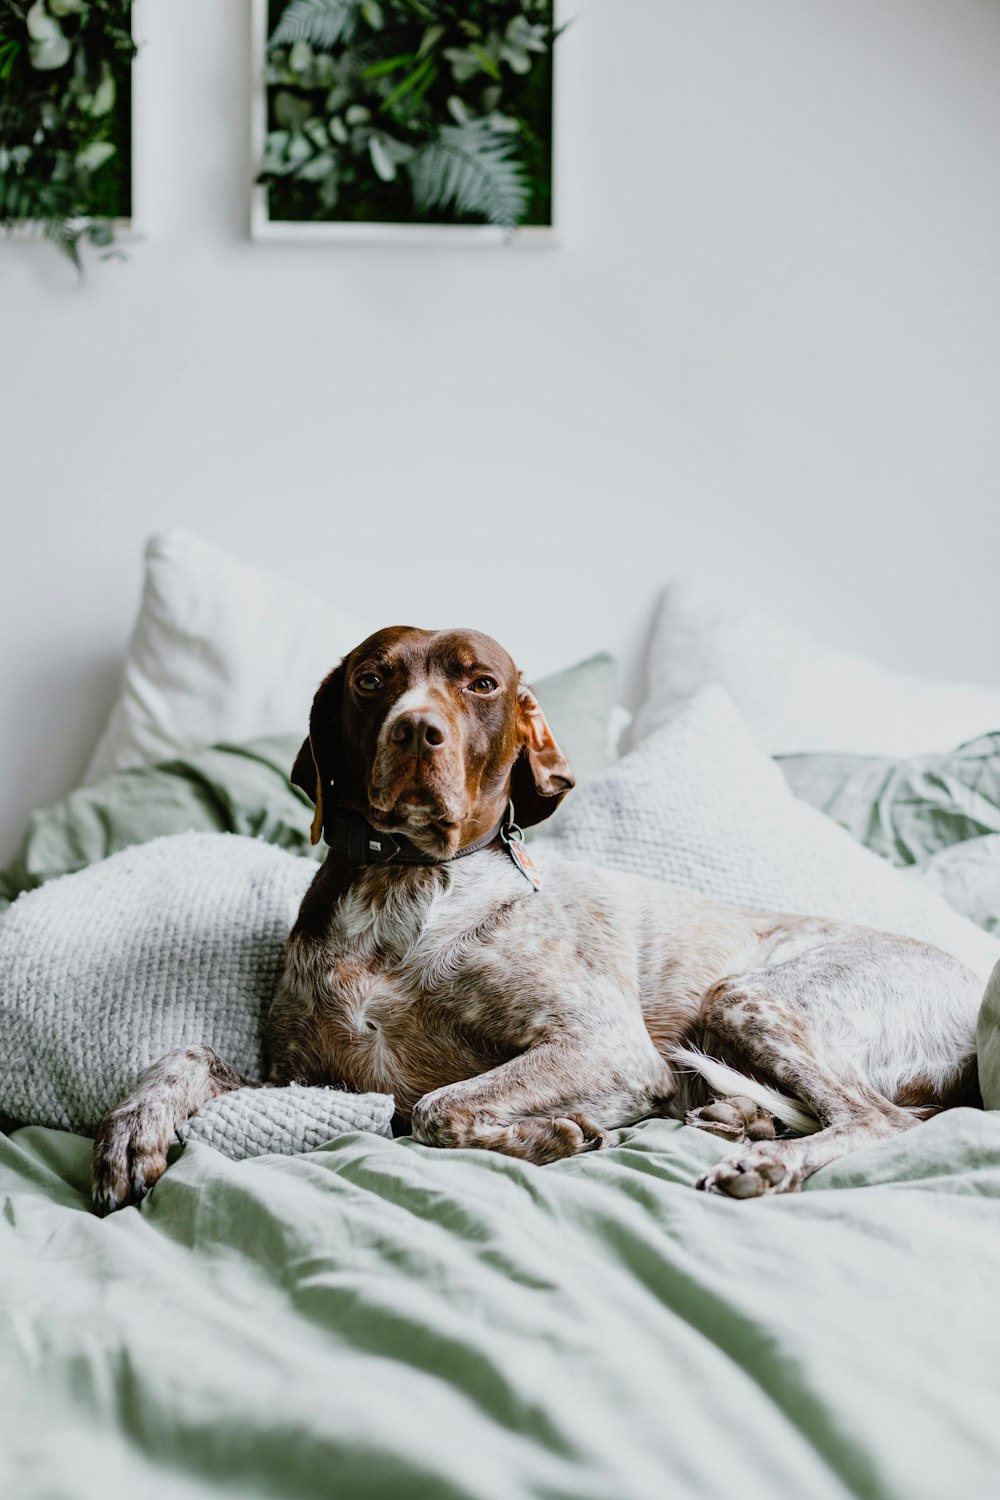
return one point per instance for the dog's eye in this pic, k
(482, 686)
(368, 682)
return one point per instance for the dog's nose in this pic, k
(419, 733)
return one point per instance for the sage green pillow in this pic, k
(988, 1043)
(245, 789)
(937, 815)
(905, 810)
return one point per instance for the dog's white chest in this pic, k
(396, 970)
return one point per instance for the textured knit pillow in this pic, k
(175, 942)
(698, 804)
(795, 693)
(262, 1122)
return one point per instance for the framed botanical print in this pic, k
(420, 120)
(66, 86)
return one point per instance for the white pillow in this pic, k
(221, 651)
(796, 694)
(699, 805)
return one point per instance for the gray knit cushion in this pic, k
(168, 944)
(255, 1122)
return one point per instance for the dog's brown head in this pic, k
(428, 733)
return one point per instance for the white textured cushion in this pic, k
(220, 651)
(699, 804)
(796, 694)
(168, 944)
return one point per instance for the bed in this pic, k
(377, 1318)
(380, 1319)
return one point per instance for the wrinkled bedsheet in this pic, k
(379, 1319)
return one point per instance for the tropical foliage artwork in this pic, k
(65, 118)
(409, 111)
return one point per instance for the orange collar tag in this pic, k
(523, 860)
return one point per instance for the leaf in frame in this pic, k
(94, 155)
(383, 163)
(64, 238)
(324, 23)
(10, 51)
(518, 61)
(430, 39)
(486, 62)
(473, 168)
(300, 57)
(388, 65)
(317, 132)
(429, 78)
(321, 166)
(463, 63)
(523, 35)
(275, 148)
(102, 100)
(290, 111)
(41, 26)
(299, 149)
(407, 84)
(49, 55)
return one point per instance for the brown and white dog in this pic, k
(425, 963)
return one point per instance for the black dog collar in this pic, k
(350, 834)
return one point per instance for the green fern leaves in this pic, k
(476, 169)
(321, 23)
(42, 205)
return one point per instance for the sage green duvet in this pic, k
(378, 1319)
(381, 1319)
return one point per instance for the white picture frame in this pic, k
(264, 228)
(126, 230)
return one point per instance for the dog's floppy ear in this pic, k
(541, 776)
(305, 774)
(317, 764)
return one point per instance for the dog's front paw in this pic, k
(751, 1174)
(546, 1140)
(130, 1154)
(438, 1120)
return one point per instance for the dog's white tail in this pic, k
(725, 1080)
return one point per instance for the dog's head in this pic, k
(429, 733)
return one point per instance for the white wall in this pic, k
(769, 348)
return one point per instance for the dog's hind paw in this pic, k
(735, 1118)
(752, 1174)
